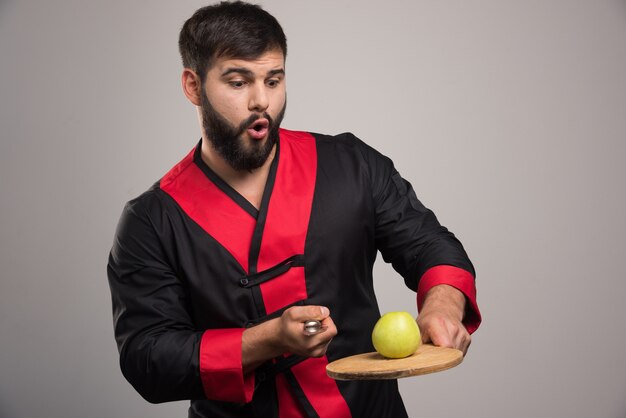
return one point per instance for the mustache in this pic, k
(243, 126)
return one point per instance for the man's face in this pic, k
(243, 103)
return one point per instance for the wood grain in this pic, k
(372, 366)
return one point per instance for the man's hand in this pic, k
(440, 320)
(286, 335)
(291, 331)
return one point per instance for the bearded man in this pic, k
(216, 268)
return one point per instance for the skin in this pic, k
(441, 318)
(237, 88)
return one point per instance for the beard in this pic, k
(229, 141)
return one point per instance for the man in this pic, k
(216, 268)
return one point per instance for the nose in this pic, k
(258, 100)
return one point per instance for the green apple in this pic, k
(396, 335)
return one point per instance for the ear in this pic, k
(192, 86)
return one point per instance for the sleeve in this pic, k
(459, 279)
(410, 237)
(162, 354)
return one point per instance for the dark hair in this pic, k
(228, 29)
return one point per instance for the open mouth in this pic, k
(258, 129)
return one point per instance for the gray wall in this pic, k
(509, 118)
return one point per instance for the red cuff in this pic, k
(220, 366)
(459, 279)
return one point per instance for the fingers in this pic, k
(319, 342)
(305, 313)
(445, 332)
(293, 334)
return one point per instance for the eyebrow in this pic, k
(246, 72)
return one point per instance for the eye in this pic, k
(237, 84)
(273, 82)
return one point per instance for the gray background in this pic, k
(509, 118)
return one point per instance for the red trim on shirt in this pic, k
(287, 219)
(194, 193)
(321, 391)
(284, 235)
(288, 404)
(220, 366)
(459, 279)
(284, 289)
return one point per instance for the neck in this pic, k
(248, 183)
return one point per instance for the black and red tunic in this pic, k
(194, 263)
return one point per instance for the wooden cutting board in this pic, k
(372, 366)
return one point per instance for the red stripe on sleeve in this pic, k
(220, 366)
(459, 279)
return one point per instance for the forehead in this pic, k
(269, 60)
